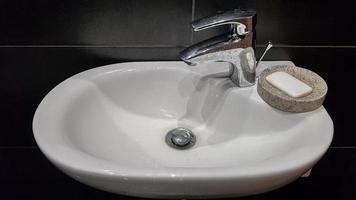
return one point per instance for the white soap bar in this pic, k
(289, 84)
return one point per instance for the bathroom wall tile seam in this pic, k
(192, 19)
(165, 46)
(90, 46)
(308, 46)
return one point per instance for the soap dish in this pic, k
(280, 100)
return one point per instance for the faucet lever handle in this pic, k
(231, 17)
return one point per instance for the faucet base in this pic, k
(242, 60)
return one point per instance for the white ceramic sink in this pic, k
(106, 127)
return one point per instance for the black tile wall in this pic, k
(119, 22)
(44, 42)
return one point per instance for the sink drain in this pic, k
(180, 138)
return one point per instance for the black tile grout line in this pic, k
(36, 147)
(192, 19)
(309, 46)
(193, 10)
(90, 46)
(167, 46)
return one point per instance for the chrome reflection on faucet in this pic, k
(236, 47)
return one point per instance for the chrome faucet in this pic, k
(236, 47)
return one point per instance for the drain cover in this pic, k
(180, 138)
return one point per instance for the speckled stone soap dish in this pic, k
(280, 100)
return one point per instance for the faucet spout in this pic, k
(235, 47)
(207, 46)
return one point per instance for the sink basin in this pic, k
(106, 127)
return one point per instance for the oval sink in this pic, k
(106, 127)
